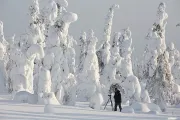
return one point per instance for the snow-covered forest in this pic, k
(47, 66)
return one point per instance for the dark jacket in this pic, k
(117, 96)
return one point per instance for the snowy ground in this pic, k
(16, 111)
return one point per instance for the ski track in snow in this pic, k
(10, 110)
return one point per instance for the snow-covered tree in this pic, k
(3, 58)
(48, 10)
(103, 52)
(35, 32)
(115, 60)
(21, 71)
(125, 76)
(44, 85)
(174, 60)
(125, 51)
(83, 49)
(70, 90)
(61, 5)
(89, 77)
(160, 84)
(138, 68)
(60, 53)
(45, 96)
(158, 62)
(71, 54)
(175, 72)
(155, 42)
(114, 63)
(172, 53)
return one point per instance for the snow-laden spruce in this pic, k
(83, 49)
(60, 53)
(71, 53)
(35, 33)
(103, 52)
(160, 85)
(70, 85)
(89, 77)
(125, 76)
(157, 64)
(155, 41)
(111, 71)
(3, 58)
(21, 72)
(48, 10)
(174, 60)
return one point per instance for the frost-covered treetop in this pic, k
(69, 17)
(34, 8)
(161, 14)
(49, 10)
(127, 33)
(83, 36)
(94, 39)
(162, 7)
(62, 3)
(115, 6)
(90, 33)
(109, 21)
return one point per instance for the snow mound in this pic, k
(69, 17)
(127, 109)
(153, 112)
(140, 107)
(47, 98)
(48, 109)
(96, 101)
(25, 97)
(154, 107)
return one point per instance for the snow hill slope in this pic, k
(15, 111)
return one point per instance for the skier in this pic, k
(117, 99)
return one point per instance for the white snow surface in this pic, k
(140, 107)
(10, 110)
(127, 109)
(48, 109)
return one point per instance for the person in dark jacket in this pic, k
(117, 99)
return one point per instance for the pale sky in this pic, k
(139, 15)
